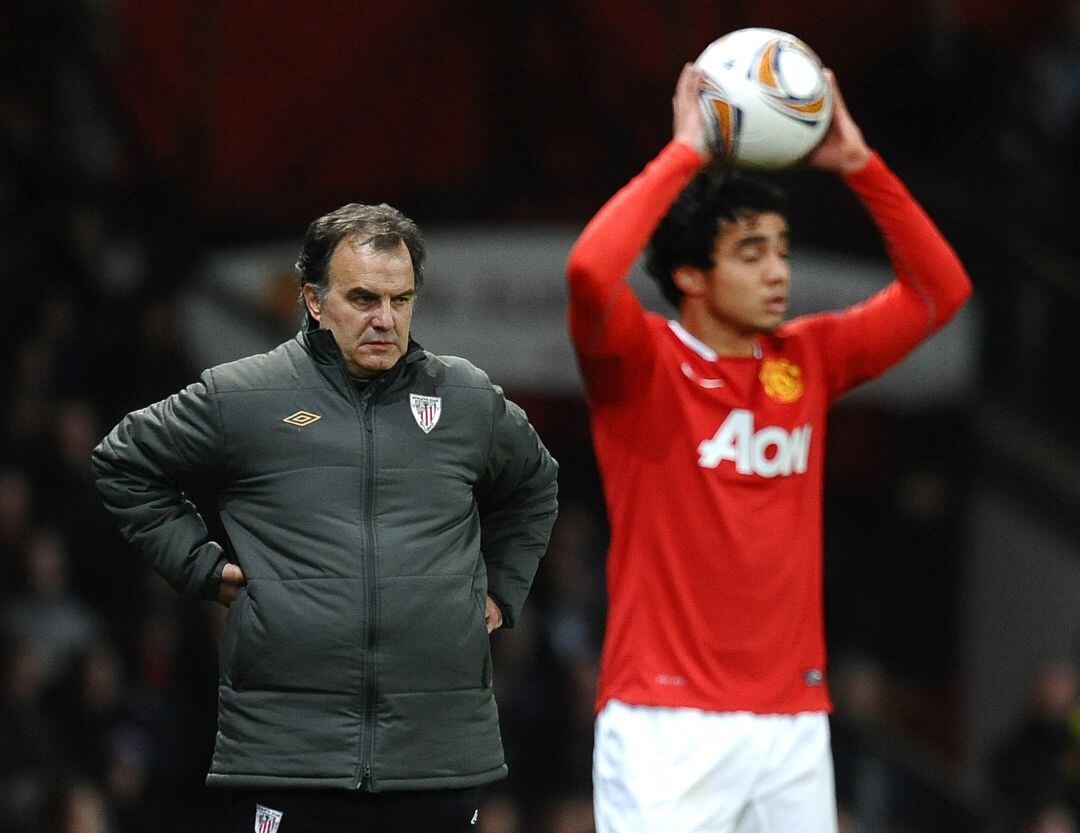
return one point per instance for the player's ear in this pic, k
(311, 300)
(689, 280)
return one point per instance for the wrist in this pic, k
(702, 153)
(855, 160)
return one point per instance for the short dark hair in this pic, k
(382, 227)
(687, 234)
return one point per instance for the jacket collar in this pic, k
(327, 355)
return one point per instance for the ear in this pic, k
(311, 300)
(689, 280)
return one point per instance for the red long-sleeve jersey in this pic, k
(712, 466)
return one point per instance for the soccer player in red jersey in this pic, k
(709, 432)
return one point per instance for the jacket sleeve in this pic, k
(142, 469)
(518, 501)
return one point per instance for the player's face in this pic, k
(747, 289)
(368, 306)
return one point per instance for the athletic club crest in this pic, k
(426, 410)
(266, 820)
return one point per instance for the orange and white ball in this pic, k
(766, 100)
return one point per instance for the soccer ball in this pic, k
(765, 98)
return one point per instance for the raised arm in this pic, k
(931, 283)
(605, 316)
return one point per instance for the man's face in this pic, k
(368, 306)
(747, 290)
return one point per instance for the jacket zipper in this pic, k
(371, 568)
(363, 405)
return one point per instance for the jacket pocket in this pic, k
(301, 635)
(486, 673)
(432, 635)
(231, 639)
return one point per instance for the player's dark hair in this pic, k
(687, 234)
(381, 227)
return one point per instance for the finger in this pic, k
(226, 594)
(689, 83)
(233, 574)
(838, 98)
(493, 617)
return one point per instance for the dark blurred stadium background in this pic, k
(159, 161)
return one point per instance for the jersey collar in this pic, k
(693, 342)
(699, 346)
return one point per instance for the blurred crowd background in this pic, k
(137, 137)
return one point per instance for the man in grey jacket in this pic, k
(385, 510)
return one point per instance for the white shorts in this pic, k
(663, 770)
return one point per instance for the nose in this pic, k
(383, 316)
(778, 269)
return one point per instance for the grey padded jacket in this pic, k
(370, 526)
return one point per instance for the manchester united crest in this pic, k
(782, 380)
(426, 410)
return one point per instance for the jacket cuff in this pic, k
(213, 581)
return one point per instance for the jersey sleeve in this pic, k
(930, 286)
(606, 319)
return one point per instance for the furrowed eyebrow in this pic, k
(359, 292)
